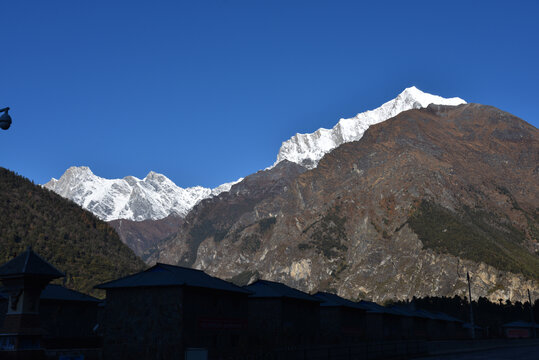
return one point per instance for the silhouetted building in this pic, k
(65, 314)
(68, 318)
(426, 325)
(24, 278)
(161, 312)
(341, 321)
(441, 326)
(377, 320)
(281, 316)
(480, 332)
(520, 329)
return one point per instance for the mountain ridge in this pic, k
(156, 197)
(355, 225)
(308, 149)
(153, 198)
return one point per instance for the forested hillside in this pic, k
(87, 249)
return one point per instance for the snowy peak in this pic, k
(308, 149)
(413, 94)
(154, 197)
(79, 172)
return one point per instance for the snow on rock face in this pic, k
(154, 197)
(308, 149)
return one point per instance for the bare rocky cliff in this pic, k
(406, 211)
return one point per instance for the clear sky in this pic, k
(206, 91)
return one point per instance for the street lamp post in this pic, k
(5, 119)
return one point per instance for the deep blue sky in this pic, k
(205, 91)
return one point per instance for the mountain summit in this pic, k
(308, 149)
(152, 198)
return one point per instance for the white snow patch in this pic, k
(308, 149)
(154, 197)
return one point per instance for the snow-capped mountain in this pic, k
(308, 149)
(154, 197)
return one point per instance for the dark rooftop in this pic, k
(372, 307)
(420, 313)
(333, 300)
(29, 263)
(161, 275)
(270, 289)
(58, 292)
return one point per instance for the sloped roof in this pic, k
(333, 300)
(270, 289)
(373, 307)
(402, 311)
(57, 292)
(445, 317)
(420, 313)
(29, 263)
(161, 275)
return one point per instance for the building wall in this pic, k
(330, 324)
(353, 325)
(407, 328)
(451, 330)
(342, 325)
(68, 319)
(143, 323)
(374, 329)
(301, 321)
(265, 322)
(420, 330)
(393, 326)
(278, 322)
(215, 320)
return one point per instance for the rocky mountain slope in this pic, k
(87, 249)
(152, 198)
(405, 211)
(308, 149)
(143, 236)
(211, 216)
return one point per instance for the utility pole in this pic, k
(534, 330)
(471, 309)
